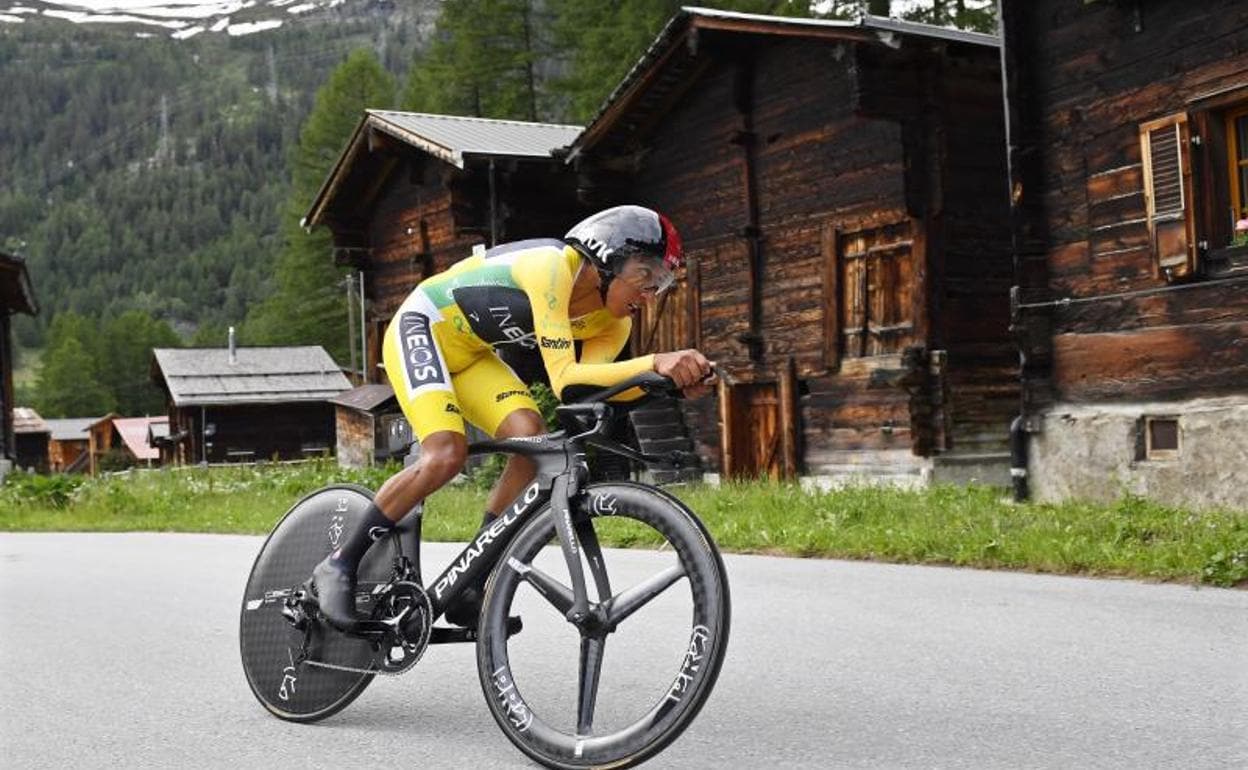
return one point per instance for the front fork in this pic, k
(576, 535)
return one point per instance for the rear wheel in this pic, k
(618, 692)
(274, 652)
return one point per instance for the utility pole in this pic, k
(350, 283)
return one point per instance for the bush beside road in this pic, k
(965, 526)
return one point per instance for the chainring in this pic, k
(406, 606)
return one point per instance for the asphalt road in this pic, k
(121, 651)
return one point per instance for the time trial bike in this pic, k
(302, 669)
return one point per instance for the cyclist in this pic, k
(442, 355)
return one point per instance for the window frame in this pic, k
(1239, 199)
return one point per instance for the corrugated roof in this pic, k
(71, 429)
(133, 432)
(881, 29)
(451, 137)
(205, 376)
(365, 397)
(448, 137)
(27, 420)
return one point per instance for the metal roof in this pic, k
(16, 294)
(27, 420)
(206, 376)
(451, 138)
(882, 30)
(365, 397)
(134, 431)
(71, 429)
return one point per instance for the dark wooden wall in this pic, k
(857, 169)
(258, 432)
(1083, 78)
(6, 387)
(430, 215)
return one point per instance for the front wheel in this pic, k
(565, 696)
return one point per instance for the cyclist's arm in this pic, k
(548, 282)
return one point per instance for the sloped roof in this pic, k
(206, 377)
(16, 294)
(450, 138)
(71, 429)
(134, 431)
(27, 420)
(688, 20)
(365, 397)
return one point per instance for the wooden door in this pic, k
(752, 436)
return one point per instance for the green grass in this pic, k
(972, 526)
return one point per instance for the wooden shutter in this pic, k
(1167, 160)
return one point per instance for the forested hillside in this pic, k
(151, 173)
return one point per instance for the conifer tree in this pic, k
(309, 306)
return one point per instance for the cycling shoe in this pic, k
(334, 585)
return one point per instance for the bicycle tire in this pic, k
(270, 646)
(662, 723)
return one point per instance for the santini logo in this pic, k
(556, 343)
(506, 394)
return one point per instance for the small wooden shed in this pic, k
(16, 296)
(412, 193)
(68, 449)
(370, 426)
(249, 403)
(31, 434)
(841, 190)
(1129, 170)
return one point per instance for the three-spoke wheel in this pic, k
(647, 655)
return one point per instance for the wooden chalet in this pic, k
(16, 296)
(69, 444)
(249, 403)
(31, 434)
(370, 427)
(841, 191)
(1128, 125)
(413, 193)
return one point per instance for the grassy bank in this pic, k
(946, 525)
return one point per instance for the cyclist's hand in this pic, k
(686, 368)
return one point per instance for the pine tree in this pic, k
(308, 306)
(69, 383)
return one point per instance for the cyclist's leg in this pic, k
(421, 380)
(495, 399)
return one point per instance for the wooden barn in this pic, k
(412, 194)
(249, 403)
(1128, 125)
(841, 190)
(31, 437)
(16, 296)
(69, 445)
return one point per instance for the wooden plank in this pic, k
(788, 420)
(1155, 363)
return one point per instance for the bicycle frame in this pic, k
(561, 472)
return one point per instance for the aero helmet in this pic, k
(607, 239)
